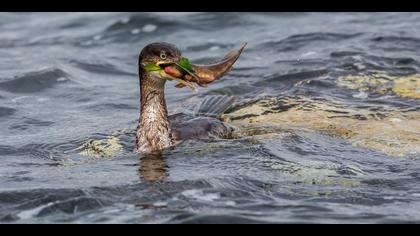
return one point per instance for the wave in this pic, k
(35, 81)
(111, 106)
(101, 68)
(27, 123)
(33, 204)
(214, 219)
(297, 41)
(395, 43)
(6, 111)
(397, 39)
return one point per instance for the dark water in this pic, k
(66, 78)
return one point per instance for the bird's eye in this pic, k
(163, 55)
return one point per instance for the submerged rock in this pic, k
(384, 129)
(408, 86)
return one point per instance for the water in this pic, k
(69, 102)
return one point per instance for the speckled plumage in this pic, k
(154, 131)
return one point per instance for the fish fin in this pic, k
(213, 105)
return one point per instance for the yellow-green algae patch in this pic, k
(389, 131)
(96, 149)
(101, 148)
(382, 83)
(408, 86)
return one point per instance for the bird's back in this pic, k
(204, 120)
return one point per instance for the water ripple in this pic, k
(101, 68)
(69, 88)
(6, 111)
(298, 41)
(35, 81)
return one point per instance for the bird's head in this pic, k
(161, 61)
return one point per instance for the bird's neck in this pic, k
(154, 131)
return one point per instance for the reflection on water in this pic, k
(153, 167)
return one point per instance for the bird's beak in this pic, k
(214, 71)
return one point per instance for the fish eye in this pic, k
(163, 55)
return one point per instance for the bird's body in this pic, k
(156, 130)
(204, 124)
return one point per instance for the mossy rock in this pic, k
(389, 131)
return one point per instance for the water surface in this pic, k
(68, 85)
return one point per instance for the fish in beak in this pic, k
(186, 73)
